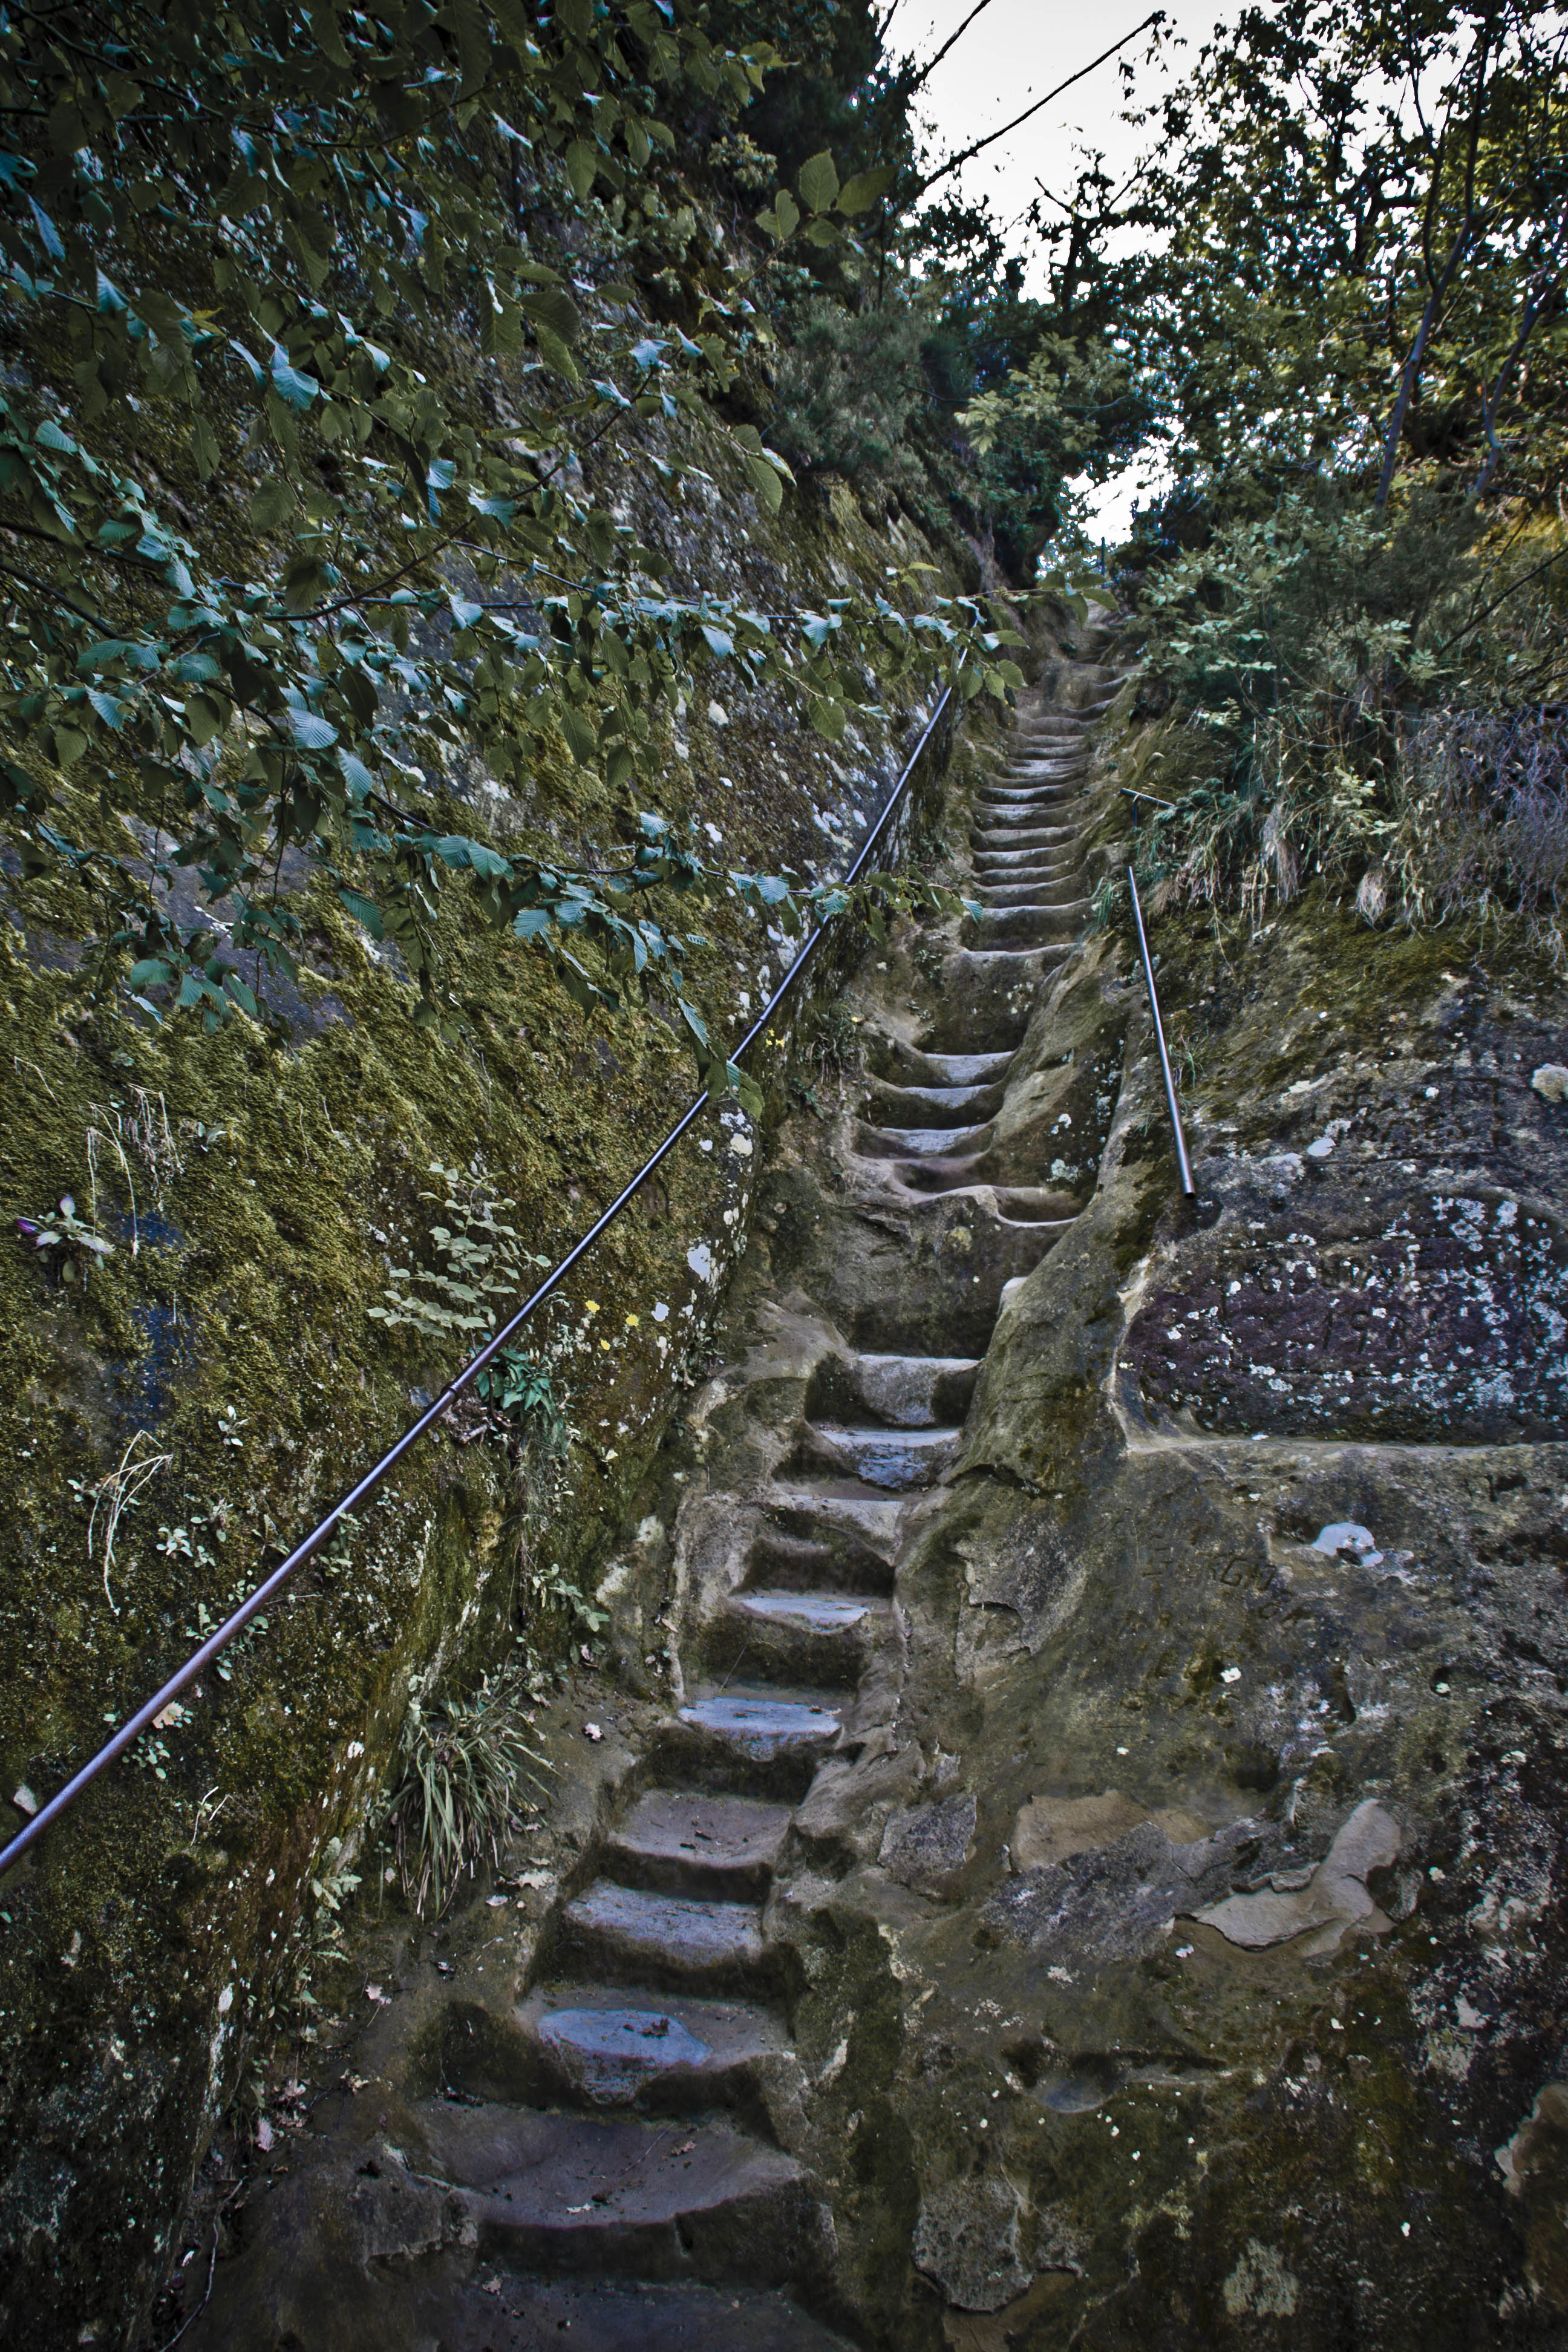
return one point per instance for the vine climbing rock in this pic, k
(1086, 1868)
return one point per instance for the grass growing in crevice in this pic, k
(465, 1763)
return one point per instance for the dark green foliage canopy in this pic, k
(260, 249)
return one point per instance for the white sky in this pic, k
(1012, 55)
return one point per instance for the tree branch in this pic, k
(966, 154)
(931, 65)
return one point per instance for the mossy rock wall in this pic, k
(258, 1186)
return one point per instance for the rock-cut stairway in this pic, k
(664, 1997)
(625, 2177)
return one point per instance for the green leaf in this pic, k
(553, 307)
(764, 481)
(858, 195)
(272, 502)
(580, 736)
(295, 390)
(582, 168)
(819, 182)
(355, 774)
(366, 912)
(310, 730)
(554, 354)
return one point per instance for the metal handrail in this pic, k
(1183, 1162)
(365, 1486)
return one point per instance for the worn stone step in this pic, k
(934, 1106)
(822, 1612)
(822, 1639)
(1064, 836)
(916, 1391)
(801, 1545)
(959, 1069)
(599, 2048)
(1034, 808)
(911, 1141)
(871, 1522)
(599, 2315)
(1048, 953)
(1050, 800)
(1014, 838)
(1065, 896)
(1027, 926)
(887, 1457)
(751, 1739)
(642, 1934)
(602, 2197)
(998, 860)
(1059, 812)
(1012, 1203)
(1037, 816)
(683, 1841)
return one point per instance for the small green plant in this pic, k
(830, 1042)
(523, 1387)
(465, 1763)
(931, 957)
(481, 1265)
(551, 1585)
(65, 1240)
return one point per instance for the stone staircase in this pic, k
(636, 2184)
(663, 1995)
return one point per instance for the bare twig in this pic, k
(966, 154)
(931, 65)
(118, 1490)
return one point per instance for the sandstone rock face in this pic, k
(1099, 1879)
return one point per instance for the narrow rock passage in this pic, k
(616, 2166)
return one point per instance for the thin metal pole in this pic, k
(1183, 1162)
(360, 1492)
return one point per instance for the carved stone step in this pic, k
(911, 1141)
(916, 1391)
(1027, 926)
(1064, 894)
(817, 1638)
(619, 1933)
(621, 2316)
(750, 1740)
(601, 2196)
(888, 1457)
(682, 1841)
(595, 2047)
(803, 1546)
(992, 860)
(1017, 838)
(934, 1106)
(959, 1069)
